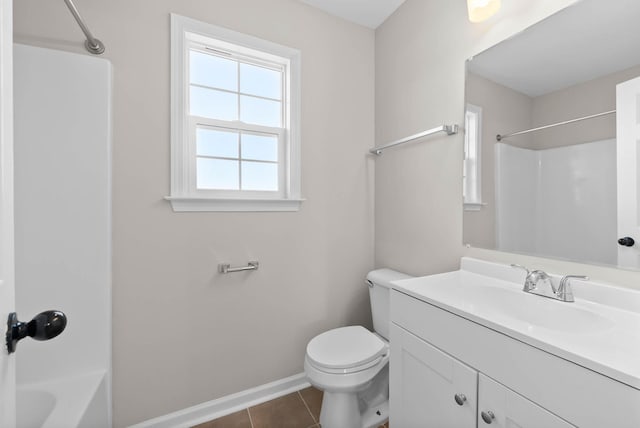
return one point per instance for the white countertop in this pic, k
(599, 331)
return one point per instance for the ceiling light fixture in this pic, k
(480, 10)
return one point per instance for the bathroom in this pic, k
(182, 333)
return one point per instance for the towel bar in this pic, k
(226, 268)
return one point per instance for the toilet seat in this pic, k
(346, 350)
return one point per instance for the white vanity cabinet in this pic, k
(437, 354)
(431, 389)
(428, 388)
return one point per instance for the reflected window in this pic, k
(472, 185)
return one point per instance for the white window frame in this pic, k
(186, 34)
(472, 164)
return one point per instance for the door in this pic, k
(500, 407)
(628, 138)
(7, 291)
(428, 388)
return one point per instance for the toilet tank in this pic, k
(379, 282)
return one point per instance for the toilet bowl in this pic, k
(350, 364)
(343, 363)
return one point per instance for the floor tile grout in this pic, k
(307, 407)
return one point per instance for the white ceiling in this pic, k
(588, 40)
(369, 13)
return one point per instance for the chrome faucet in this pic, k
(563, 292)
(532, 279)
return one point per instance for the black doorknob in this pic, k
(627, 241)
(44, 326)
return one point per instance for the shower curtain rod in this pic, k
(499, 137)
(92, 44)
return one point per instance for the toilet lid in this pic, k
(345, 347)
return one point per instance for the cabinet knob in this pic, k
(487, 416)
(460, 399)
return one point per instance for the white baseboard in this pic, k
(226, 405)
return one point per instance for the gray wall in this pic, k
(182, 333)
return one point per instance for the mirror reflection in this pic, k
(551, 138)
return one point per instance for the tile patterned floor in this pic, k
(297, 410)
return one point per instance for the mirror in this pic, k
(553, 192)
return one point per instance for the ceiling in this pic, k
(369, 13)
(590, 39)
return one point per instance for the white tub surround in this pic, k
(63, 229)
(573, 362)
(545, 207)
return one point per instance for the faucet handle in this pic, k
(530, 280)
(565, 293)
(513, 265)
(535, 277)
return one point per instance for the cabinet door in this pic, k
(511, 410)
(424, 382)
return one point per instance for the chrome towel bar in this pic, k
(449, 129)
(226, 268)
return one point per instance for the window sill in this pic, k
(193, 204)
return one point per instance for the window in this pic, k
(472, 189)
(235, 121)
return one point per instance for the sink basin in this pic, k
(556, 316)
(514, 305)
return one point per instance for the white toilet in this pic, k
(350, 364)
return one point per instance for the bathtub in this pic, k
(73, 402)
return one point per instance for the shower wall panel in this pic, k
(558, 202)
(63, 236)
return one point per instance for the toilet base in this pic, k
(368, 408)
(376, 415)
(342, 410)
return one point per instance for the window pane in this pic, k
(217, 174)
(213, 104)
(259, 176)
(260, 147)
(260, 81)
(211, 142)
(211, 70)
(471, 190)
(260, 112)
